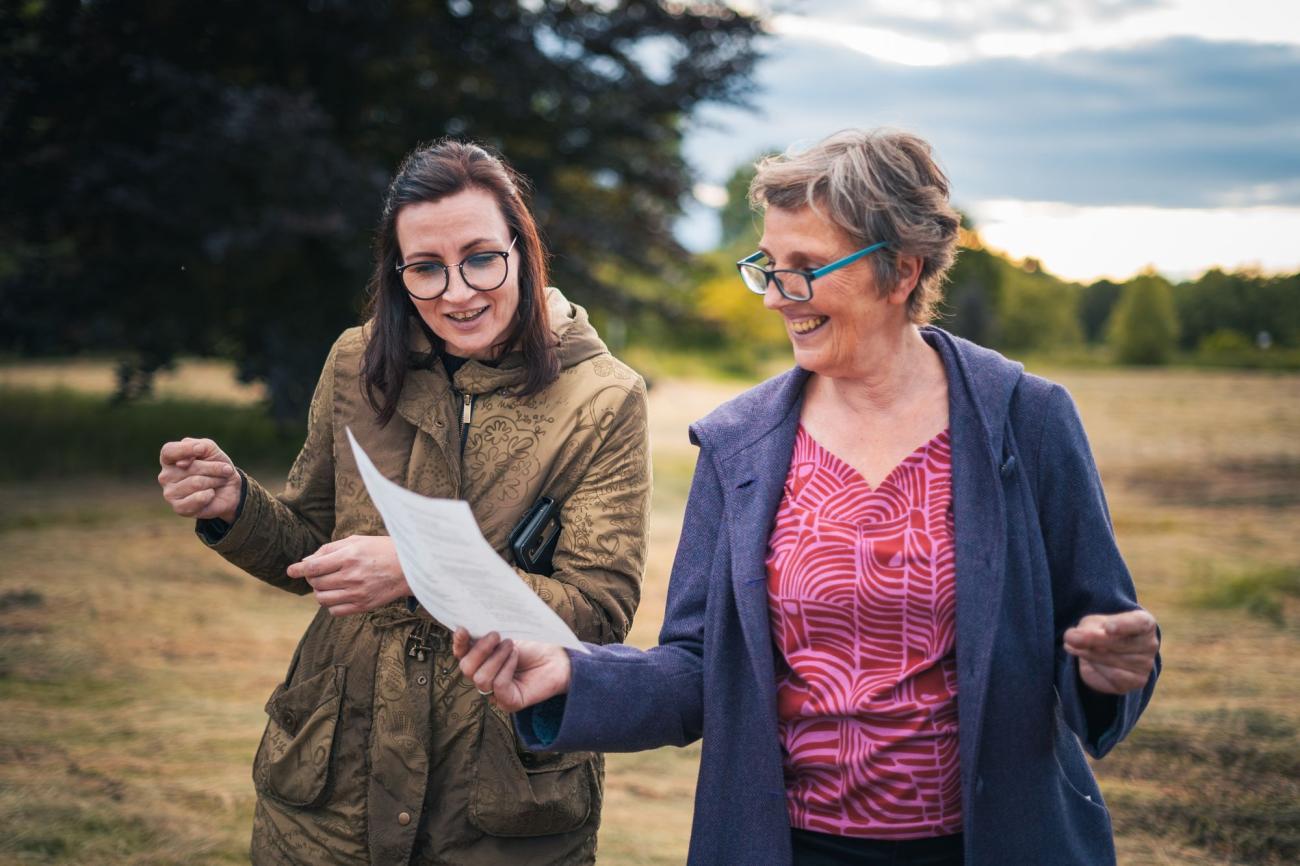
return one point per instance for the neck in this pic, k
(892, 372)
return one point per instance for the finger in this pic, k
(170, 473)
(335, 597)
(318, 564)
(482, 648)
(487, 672)
(1111, 680)
(192, 484)
(345, 609)
(460, 643)
(211, 468)
(1106, 642)
(172, 452)
(333, 581)
(1084, 636)
(1132, 661)
(202, 448)
(191, 505)
(506, 675)
(1130, 623)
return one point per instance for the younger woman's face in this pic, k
(471, 323)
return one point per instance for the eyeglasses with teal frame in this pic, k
(758, 278)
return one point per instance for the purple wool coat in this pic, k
(1035, 552)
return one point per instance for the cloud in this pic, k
(1085, 243)
(1176, 123)
(940, 32)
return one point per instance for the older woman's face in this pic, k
(833, 333)
(450, 230)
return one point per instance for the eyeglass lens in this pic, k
(791, 284)
(482, 272)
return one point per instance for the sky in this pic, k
(1098, 136)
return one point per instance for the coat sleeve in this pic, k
(273, 532)
(623, 699)
(1088, 574)
(599, 558)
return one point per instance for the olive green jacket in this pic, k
(376, 750)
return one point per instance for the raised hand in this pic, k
(198, 480)
(513, 674)
(354, 574)
(1116, 651)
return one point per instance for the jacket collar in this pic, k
(425, 395)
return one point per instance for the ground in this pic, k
(134, 664)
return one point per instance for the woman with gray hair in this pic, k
(898, 616)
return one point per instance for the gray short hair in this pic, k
(876, 185)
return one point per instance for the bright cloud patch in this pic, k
(1087, 243)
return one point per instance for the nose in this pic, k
(772, 298)
(457, 288)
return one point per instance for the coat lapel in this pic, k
(755, 482)
(979, 393)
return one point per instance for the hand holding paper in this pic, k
(453, 571)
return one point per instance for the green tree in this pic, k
(1143, 328)
(972, 305)
(1096, 302)
(1245, 302)
(1038, 311)
(204, 179)
(741, 225)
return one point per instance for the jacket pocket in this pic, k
(520, 793)
(1073, 772)
(293, 761)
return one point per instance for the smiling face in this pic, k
(472, 324)
(839, 331)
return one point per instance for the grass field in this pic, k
(134, 664)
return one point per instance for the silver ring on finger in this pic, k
(486, 694)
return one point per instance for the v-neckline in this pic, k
(884, 482)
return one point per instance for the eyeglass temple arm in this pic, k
(847, 260)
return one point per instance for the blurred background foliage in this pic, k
(203, 181)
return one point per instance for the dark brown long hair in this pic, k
(427, 174)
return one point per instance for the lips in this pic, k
(807, 326)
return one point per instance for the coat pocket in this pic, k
(530, 793)
(293, 760)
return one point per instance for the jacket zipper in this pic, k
(467, 410)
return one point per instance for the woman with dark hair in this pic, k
(469, 379)
(898, 617)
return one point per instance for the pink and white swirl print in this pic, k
(862, 604)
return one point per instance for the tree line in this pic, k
(1246, 318)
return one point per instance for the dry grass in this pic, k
(134, 665)
(190, 379)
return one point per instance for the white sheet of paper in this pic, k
(453, 571)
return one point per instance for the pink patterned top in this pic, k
(862, 603)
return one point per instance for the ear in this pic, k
(909, 273)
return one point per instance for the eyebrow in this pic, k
(797, 255)
(469, 245)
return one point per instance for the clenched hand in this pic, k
(198, 480)
(1116, 651)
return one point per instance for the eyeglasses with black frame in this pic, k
(793, 284)
(483, 272)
